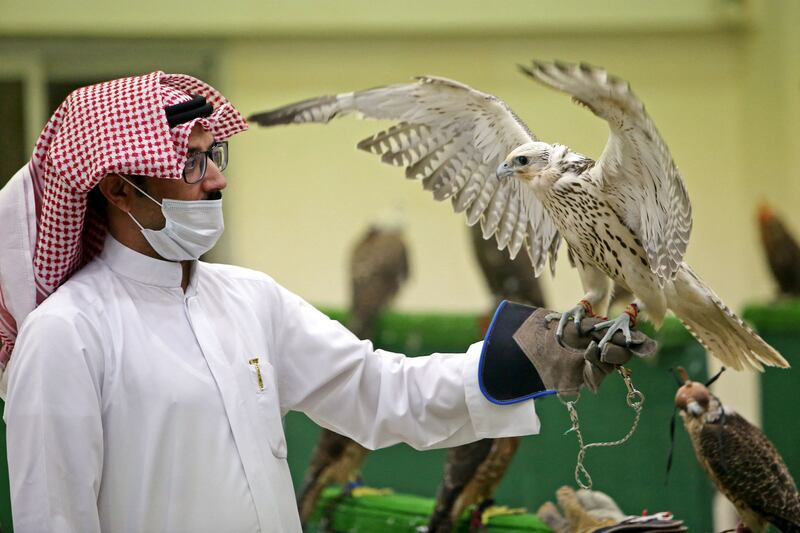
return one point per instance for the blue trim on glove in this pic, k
(505, 374)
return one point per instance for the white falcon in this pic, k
(625, 217)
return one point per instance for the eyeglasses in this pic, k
(195, 168)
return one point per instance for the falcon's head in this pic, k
(694, 401)
(526, 163)
(693, 398)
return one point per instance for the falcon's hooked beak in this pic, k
(694, 408)
(504, 171)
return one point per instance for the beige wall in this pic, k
(718, 77)
(290, 18)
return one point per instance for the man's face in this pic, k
(148, 213)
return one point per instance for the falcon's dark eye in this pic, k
(521, 160)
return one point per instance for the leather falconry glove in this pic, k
(523, 359)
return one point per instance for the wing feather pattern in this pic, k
(452, 138)
(635, 170)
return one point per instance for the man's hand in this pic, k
(577, 361)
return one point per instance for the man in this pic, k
(146, 392)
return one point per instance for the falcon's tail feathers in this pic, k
(716, 327)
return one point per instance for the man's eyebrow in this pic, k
(195, 149)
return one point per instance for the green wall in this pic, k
(780, 325)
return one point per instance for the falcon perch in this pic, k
(626, 217)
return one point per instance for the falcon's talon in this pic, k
(621, 323)
(577, 314)
(549, 317)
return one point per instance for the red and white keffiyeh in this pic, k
(119, 126)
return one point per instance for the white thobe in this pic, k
(134, 406)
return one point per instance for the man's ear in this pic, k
(117, 192)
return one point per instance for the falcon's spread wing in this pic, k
(636, 170)
(452, 137)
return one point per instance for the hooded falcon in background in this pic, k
(740, 460)
(626, 217)
(472, 472)
(782, 252)
(378, 269)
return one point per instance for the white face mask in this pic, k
(192, 227)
